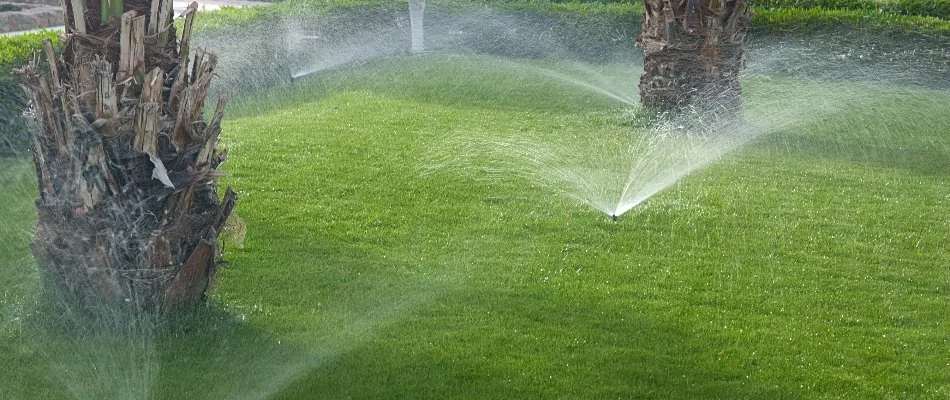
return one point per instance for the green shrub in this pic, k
(771, 15)
(796, 19)
(18, 49)
(14, 52)
(773, 19)
(917, 16)
(927, 8)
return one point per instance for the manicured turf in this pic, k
(809, 264)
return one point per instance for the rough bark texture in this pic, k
(693, 53)
(128, 211)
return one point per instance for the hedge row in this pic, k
(926, 8)
(771, 15)
(16, 50)
(800, 19)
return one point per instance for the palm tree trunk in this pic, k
(128, 211)
(693, 52)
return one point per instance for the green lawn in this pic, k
(811, 263)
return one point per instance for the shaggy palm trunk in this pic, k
(128, 212)
(693, 52)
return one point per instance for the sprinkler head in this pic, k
(614, 217)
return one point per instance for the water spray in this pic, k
(416, 13)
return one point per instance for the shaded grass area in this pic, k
(810, 264)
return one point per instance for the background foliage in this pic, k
(918, 17)
(14, 51)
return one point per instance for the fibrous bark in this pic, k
(128, 211)
(693, 52)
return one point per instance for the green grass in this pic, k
(784, 271)
(810, 264)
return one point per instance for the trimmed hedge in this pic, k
(771, 16)
(926, 8)
(798, 19)
(15, 51)
(777, 19)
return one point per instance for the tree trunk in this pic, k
(128, 212)
(693, 54)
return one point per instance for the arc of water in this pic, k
(576, 82)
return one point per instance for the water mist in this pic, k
(416, 13)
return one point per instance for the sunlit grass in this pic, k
(811, 263)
